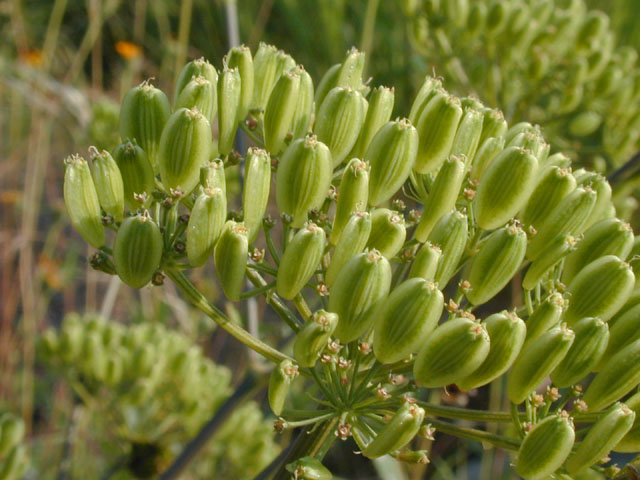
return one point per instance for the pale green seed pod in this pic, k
(584, 123)
(339, 120)
(195, 68)
(630, 443)
(493, 126)
(327, 83)
(486, 153)
(559, 160)
(425, 264)
(409, 315)
(240, 58)
(536, 361)
(353, 194)
(450, 234)
(506, 334)
(278, 115)
(545, 447)
(143, 114)
(304, 105)
(468, 135)
(81, 200)
(400, 430)
(554, 185)
(358, 292)
(352, 241)
(600, 289)
(520, 128)
(496, 18)
(442, 196)
(212, 175)
(350, 71)
(184, 147)
(391, 156)
(108, 182)
(477, 17)
(300, 259)
(624, 329)
(137, 250)
(378, 114)
(136, 172)
(388, 232)
(562, 246)
(505, 187)
(497, 261)
(427, 90)
(230, 256)
(255, 191)
(546, 316)
(268, 64)
(206, 220)
(303, 178)
(279, 383)
(592, 335)
(229, 97)
(312, 338)
(309, 468)
(534, 143)
(601, 186)
(200, 94)
(453, 351)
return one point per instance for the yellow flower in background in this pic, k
(128, 50)
(33, 58)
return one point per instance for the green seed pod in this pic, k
(545, 447)
(11, 433)
(388, 232)
(450, 234)
(353, 194)
(592, 335)
(496, 18)
(601, 438)
(427, 90)
(352, 241)
(309, 468)
(195, 68)
(278, 115)
(229, 97)
(184, 148)
(279, 382)
(358, 292)
(143, 114)
(81, 200)
(304, 105)
(506, 334)
(453, 351)
(520, 128)
(200, 94)
(487, 152)
(562, 246)
(537, 360)
(532, 142)
(255, 191)
(300, 260)
(409, 315)
(93, 360)
(230, 256)
(468, 135)
(136, 172)
(350, 71)
(545, 317)
(477, 17)
(618, 376)
(212, 175)
(437, 126)
(339, 121)
(137, 250)
(425, 264)
(327, 83)
(600, 289)
(240, 58)
(378, 114)
(303, 178)
(602, 188)
(268, 64)
(559, 160)
(442, 196)
(493, 125)
(206, 221)
(400, 430)
(497, 261)
(630, 443)
(554, 185)
(108, 182)
(584, 123)
(313, 337)
(505, 187)
(391, 156)
(14, 465)
(624, 330)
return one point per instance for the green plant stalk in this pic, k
(275, 301)
(476, 435)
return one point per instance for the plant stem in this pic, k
(276, 303)
(466, 413)
(311, 421)
(257, 291)
(302, 306)
(474, 434)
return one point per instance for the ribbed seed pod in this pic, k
(303, 178)
(601, 438)
(554, 185)
(562, 246)
(206, 220)
(630, 443)
(201, 94)
(300, 260)
(378, 114)
(409, 315)
(592, 335)
(279, 383)
(600, 289)
(240, 58)
(624, 329)
(453, 351)
(533, 142)
(468, 135)
(143, 114)
(136, 172)
(352, 241)
(538, 359)
(278, 115)
(353, 194)
(137, 250)
(437, 126)
(268, 64)
(545, 447)
(212, 175)
(195, 68)
(184, 148)
(559, 160)
(309, 468)
(255, 191)
(450, 234)
(229, 97)
(442, 196)
(304, 104)
(327, 83)
(427, 90)
(230, 256)
(493, 125)
(618, 376)
(610, 236)
(519, 128)
(313, 337)
(108, 182)
(81, 200)
(339, 120)
(391, 156)
(388, 232)
(400, 430)
(505, 187)
(358, 292)
(498, 259)
(350, 71)
(486, 153)
(506, 334)
(601, 186)
(545, 317)
(425, 264)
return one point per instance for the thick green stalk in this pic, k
(466, 413)
(474, 434)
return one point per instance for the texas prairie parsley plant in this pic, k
(386, 302)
